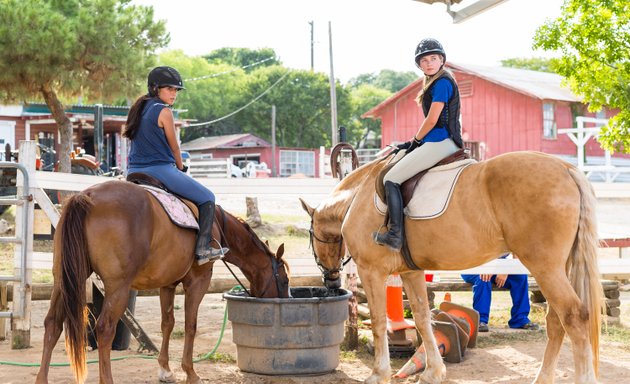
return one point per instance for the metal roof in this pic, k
(235, 140)
(541, 85)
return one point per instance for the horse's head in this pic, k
(327, 244)
(267, 271)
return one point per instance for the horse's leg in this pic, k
(416, 289)
(167, 302)
(555, 335)
(573, 315)
(374, 285)
(53, 325)
(114, 304)
(195, 287)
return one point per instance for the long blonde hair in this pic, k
(428, 80)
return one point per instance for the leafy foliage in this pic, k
(532, 63)
(386, 79)
(243, 57)
(593, 37)
(99, 49)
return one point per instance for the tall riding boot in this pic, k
(393, 238)
(203, 250)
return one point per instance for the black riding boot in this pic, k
(393, 238)
(203, 250)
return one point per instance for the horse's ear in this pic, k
(307, 207)
(280, 251)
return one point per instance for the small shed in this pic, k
(242, 148)
(502, 110)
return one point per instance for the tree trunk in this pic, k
(64, 125)
(253, 216)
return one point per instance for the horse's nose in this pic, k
(332, 284)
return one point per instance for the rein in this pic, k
(274, 262)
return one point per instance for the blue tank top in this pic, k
(150, 146)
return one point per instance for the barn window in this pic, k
(549, 121)
(465, 88)
(292, 162)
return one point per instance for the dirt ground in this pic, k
(507, 362)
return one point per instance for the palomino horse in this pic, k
(535, 205)
(120, 232)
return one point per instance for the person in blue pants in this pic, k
(482, 298)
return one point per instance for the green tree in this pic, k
(100, 49)
(302, 101)
(243, 57)
(386, 79)
(539, 64)
(593, 37)
(364, 98)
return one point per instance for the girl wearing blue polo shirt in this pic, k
(439, 135)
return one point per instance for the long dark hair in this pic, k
(135, 114)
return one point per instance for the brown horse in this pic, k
(535, 205)
(118, 231)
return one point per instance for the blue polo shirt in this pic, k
(442, 91)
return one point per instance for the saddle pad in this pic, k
(177, 211)
(433, 193)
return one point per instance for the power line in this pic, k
(241, 108)
(230, 71)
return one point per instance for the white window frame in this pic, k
(295, 165)
(550, 130)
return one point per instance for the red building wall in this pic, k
(501, 118)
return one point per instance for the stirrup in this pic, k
(211, 254)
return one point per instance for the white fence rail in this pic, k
(220, 168)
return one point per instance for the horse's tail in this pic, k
(75, 267)
(582, 265)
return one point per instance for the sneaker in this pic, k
(483, 327)
(530, 326)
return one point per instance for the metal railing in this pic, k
(20, 237)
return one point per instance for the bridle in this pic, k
(275, 263)
(342, 262)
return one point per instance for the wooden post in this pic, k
(21, 320)
(351, 339)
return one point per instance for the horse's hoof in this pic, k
(166, 376)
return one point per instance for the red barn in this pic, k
(503, 109)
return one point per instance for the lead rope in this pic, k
(224, 243)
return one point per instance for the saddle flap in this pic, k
(407, 188)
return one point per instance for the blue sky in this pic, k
(367, 35)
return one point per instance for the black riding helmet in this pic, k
(427, 47)
(164, 77)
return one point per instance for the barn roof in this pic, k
(225, 141)
(539, 85)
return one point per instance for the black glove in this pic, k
(404, 145)
(184, 169)
(414, 144)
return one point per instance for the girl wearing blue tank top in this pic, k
(439, 136)
(155, 151)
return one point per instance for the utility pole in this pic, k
(273, 141)
(333, 92)
(312, 23)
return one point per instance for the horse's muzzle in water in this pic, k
(332, 283)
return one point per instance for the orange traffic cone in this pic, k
(395, 310)
(449, 341)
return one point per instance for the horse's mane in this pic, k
(254, 237)
(337, 204)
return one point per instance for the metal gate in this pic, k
(21, 237)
